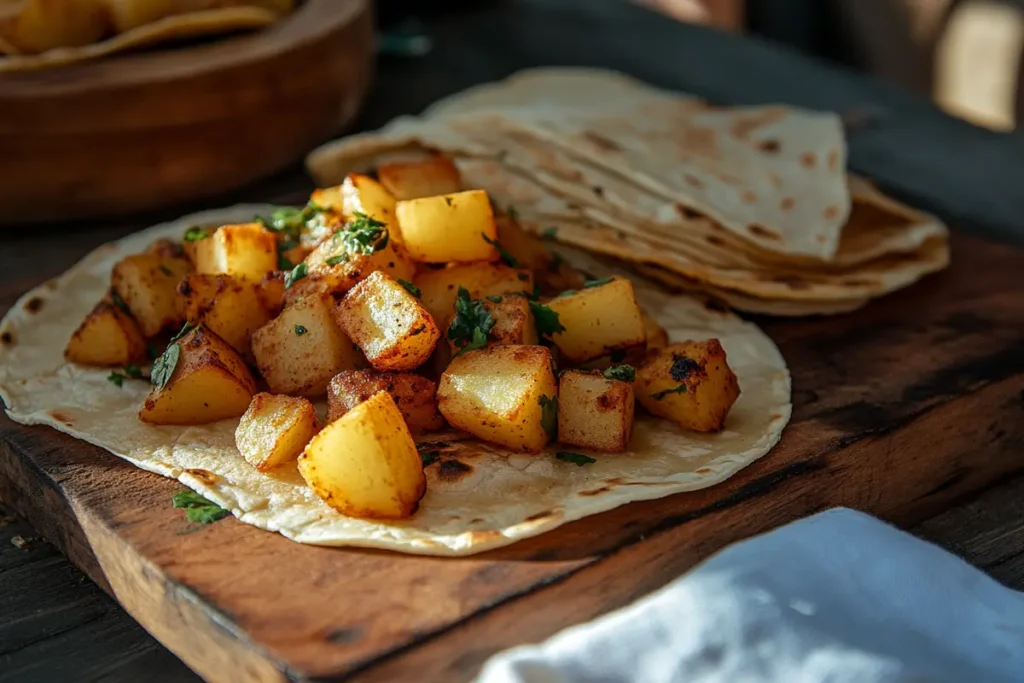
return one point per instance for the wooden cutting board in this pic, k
(899, 409)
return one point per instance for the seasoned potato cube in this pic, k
(365, 463)
(350, 255)
(526, 249)
(504, 394)
(440, 287)
(247, 251)
(198, 379)
(165, 248)
(452, 227)
(595, 412)
(191, 238)
(513, 321)
(388, 323)
(107, 336)
(228, 306)
(300, 350)
(413, 394)
(415, 179)
(598, 320)
(274, 430)
(656, 334)
(147, 284)
(689, 383)
(271, 292)
(362, 194)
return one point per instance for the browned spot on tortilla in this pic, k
(6, 338)
(715, 240)
(714, 305)
(594, 492)
(616, 481)
(62, 417)
(787, 203)
(540, 515)
(601, 141)
(476, 520)
(831, 212)
(693, 181)
(749, 197)
(820, 239)
(770, 146)
(685, 211)
(776, 179)
(704, 470)
(205, 476)
(833, 160)
(857, 282)
(480, 537)
(791, 281)
(698, 139)
(761, 231)
(776, 416)
(34, 305)
(743, 127)
(453, 470)
(808, 159)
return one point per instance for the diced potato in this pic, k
(689, 383)
(247, 251)
(271, 292)
(440, 287)
(598, 320)
(503, 394)
(389, 324)
(191, 238)
(339, 267)
(299, 351)
(415, 179)
(359, 193)
(413, 394)
(527, 249)
(274, 430)
(595, 412)
(365, 464)
(205, 381)
(165, 248)
(147, 284)
(657, 336)
(451, 227)
(513, 321)
(228, 306)
(108, 336)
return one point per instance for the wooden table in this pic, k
(58, 626)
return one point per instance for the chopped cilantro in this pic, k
(577, 459)
(546, 320)
(550, 233)
(300, 330)
(116, 378)
(335, 260)
(295, 274)
(283, 263)
(196, 233)
(132, 370)
(364, 235)
(118, 301)
(502, 252)
(166, 271)
(596, 283)
(622, 373)
(198, 509)
(471, 324)
(567, 292)
(495, 299)
(658, 395)
(411, 288)
(549, 415)
(289, 221)
(448, 201)
(163, 367)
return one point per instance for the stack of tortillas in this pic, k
(752, 206)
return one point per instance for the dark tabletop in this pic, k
(56, 625)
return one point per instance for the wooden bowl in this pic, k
(163, 127)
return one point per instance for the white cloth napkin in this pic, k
(838, 597)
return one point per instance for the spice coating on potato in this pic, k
(389, 324)
(271, 292)
(247, 250)
(147, 284)
(448, 228)
(514, 323)
(598, 320)
(440, 287)
(415, 179)
(502, 394)
(365, 464)
(413, 394)
(689, 383)
(595, 412)
(340, 268)
(108, 336)
(274, 430)
(228, 306)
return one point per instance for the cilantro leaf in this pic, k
(364, 235)
(577, 459)
(494, 299)
(163, 367)
(300, 330)
(335, 260)
(295, 274)
(116, 378)
(118, 301)
(502, 252)
(411, 288)
(132, 370)
(658, 395)
(546, 320)
(596, 283)
(471, 324)
(165, 270)
(283, 263)
(196, 233)
(289, 221)
(622, 373)
(198, 509)
(549, 415)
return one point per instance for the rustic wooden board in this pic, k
(899, 409)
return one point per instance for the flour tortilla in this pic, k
(503, 497)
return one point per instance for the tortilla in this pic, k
(479, 496)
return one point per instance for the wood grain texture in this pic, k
(162, 127)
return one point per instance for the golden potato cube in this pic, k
(440, 287)
(274, 430)
(526, 249)
(394, 331)
(271, 292)
(415, 179)
(228, 306)
(513, 321)
(365, 463)
(191, 238)
(147, 284)
(689, 383)
(503, 394)
(203, 380)
(299, 351)
(340, 266)
(108, 336)
(247, 251)
(362, 194)
(657, 336)
(595, 412)
(452, 227)
(598, 320)
(413, 394)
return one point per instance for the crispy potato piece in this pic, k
(247, 250)
(594, 412)
(208, 381)
(165, 248)
(147, 283)
(339, 268)
(413, 394)
(365, 463)
(527, 249)
(513, 321)
(689, 383)
(274, 430)
(452, 227)
(362, 194)
(228, 306)
(503, 394)
(389, 324)
(415, 179)
(440, 287)
(108, 336)
(598, 320)
(300, 350)
(191, 238)
(656, 334)
(271, 292)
